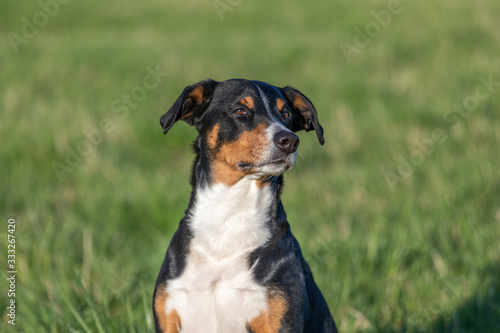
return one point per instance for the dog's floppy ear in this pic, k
(190, 104)
(304, 115)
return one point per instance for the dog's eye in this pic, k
(240, 112)
(285, 114)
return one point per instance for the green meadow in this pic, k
(398, 213)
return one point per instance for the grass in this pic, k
(420, 255)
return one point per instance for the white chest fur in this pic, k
(216, 292)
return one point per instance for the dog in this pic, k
(233, 264)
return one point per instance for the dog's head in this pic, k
(246, 127)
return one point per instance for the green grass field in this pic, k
(398, 213)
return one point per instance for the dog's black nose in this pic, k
(287, 141)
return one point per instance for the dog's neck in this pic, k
(232, 220)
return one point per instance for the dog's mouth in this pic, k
(273, 167)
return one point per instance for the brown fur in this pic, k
(197, 94)
(263, 181)
(299, 102)
(212, 137)
(248, 101)
(171, 322)
(248, 148)
(269, 320)
(187, 116)
(280, 103)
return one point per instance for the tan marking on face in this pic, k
(280, 103)
(170, 322)
(212, 136)
(226, 174)
(249, 148)
(269, 320)
(248, 101)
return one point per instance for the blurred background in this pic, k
(398, 213)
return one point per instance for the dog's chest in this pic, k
(216, 291)
(215, 296)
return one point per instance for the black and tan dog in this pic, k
(233, 265)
